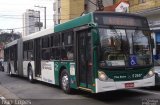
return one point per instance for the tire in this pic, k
(65, 82)
(30, 75)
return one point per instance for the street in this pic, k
(45, 94)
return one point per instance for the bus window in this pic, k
(28, 50)
(56, 40)
(67, 46)
(45, 48)
(55, 47)
(55, 53)
(46, 54)
(45, 42)
(30, 55)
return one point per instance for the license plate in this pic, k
(129, 85)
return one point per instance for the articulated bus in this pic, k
(97, 52)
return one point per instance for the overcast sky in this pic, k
(11, 12)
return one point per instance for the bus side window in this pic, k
(63, 54)
(55, 46)
(70, 54)
(45, 48)
(67, 46)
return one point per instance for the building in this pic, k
(66, 10)
(118, 6)
(30, 21)
(57, 12)
(92, 7)
(151, 10)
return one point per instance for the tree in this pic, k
(8, 37)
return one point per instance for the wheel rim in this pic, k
(65, 82)
(30, 75)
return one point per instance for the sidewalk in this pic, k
(7, 94)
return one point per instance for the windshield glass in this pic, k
(124, 47)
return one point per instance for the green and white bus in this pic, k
(97, 52)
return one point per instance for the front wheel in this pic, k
(65, 82)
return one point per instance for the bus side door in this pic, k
(84, 59)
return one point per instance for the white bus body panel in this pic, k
(12, 67)
(20, 57)
(102, 86)
(25, 67)
(47, 72)
(5, 66)
(33, 68)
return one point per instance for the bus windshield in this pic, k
(125, 47)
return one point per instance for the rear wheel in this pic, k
(65, 82)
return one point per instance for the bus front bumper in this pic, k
(103, 86)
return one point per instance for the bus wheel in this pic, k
(30, 75)
(65, 82)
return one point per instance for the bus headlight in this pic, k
(151, 73)
(102, 76)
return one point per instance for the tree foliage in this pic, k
(8, 37)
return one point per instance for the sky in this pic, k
(11, 12)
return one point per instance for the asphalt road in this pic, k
(46, 94)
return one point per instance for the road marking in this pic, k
(145, 91)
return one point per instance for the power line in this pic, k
(17, 28)
(21, 18)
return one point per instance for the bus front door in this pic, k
(84, 60)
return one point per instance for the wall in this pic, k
(71, 9)
(136, 6)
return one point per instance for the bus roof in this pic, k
(88, 18)
(39, 34)
(11, 43)
(80, 21)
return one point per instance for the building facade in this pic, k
(151, 10)
(30, 20)
(92, 7)
(66, 10)
(57, 12)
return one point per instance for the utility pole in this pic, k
(44, 15)
(100, 5)
(39, 20)
(12, 31)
